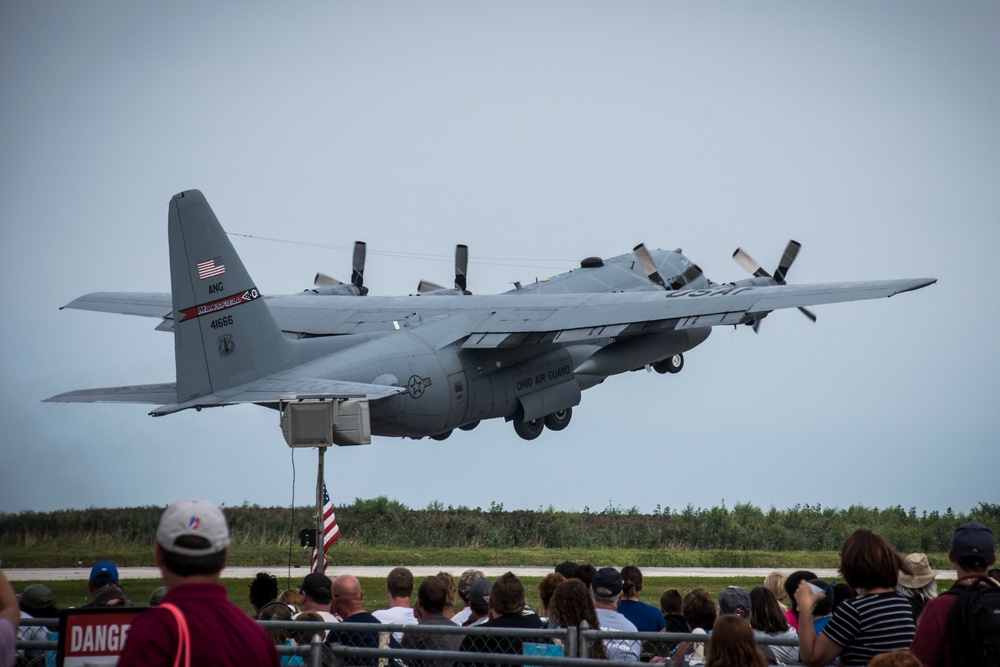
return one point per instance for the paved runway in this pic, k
(248, 573)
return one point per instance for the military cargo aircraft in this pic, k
(441, 359)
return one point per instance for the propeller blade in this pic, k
(427, 286)
(358, 270)
(750, 264)
(461, 265)
(693, 272)
(648, 265)
(808, 313)
(791, 251)
(323, 280)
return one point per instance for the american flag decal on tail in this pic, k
(211, 268)
(331, 533)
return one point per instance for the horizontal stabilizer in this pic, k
(267, 390)
(143, 304)
(140, 393)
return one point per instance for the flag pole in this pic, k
(320, 536)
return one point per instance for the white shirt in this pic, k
(620, 650)
(400, 615)
(462, 616)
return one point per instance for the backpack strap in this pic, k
(184, 635)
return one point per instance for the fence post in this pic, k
(316, 654)
(569, 650)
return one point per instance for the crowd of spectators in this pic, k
(886, 611)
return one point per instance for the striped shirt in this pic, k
(871, 624)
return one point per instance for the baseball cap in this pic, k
(466, 580)
(973, 539)
(607, 582)
(479, 591)
(193, 518)
(318, 587)
(104, 571)
(734, 600)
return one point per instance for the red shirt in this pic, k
(222, 634)
(930, 643)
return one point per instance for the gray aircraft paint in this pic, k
(432, 363)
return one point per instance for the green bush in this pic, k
(381, 523)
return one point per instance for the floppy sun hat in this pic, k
(922, 572)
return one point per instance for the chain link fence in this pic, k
(373, 645)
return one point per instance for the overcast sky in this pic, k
(538, 133)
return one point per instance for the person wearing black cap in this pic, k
(317, 595)
(973, 550)
(479, 596)
(196, 617)
(606, 589)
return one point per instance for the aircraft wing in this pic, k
(570, 316)
(265, 390)
(578, 315)
(622, 315)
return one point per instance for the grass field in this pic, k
(79, 554)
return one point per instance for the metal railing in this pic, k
(575, 645)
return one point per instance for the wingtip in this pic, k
(918, 283)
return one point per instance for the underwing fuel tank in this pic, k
(631, 353)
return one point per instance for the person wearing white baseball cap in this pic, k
(196, 617)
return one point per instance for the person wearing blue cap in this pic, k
(102, 574)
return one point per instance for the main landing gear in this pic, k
(529, 430)
(672, 364)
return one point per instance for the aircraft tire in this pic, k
(528, 430)
(441, 436)
(676, 363)
(469, 426)
(559, 419)
(672, 364)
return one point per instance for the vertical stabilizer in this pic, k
(224, 335)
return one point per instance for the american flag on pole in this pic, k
(331, 533)
(211, 268)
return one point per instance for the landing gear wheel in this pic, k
(672, 364)
(527, 430)
(441, 436)
(559, 419)
(469, 426)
